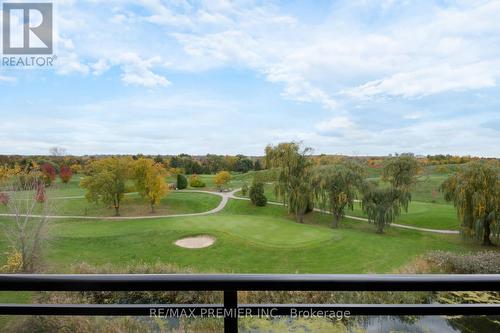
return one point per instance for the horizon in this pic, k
(352, 78)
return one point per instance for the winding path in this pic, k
(222, 204)
(436, 231)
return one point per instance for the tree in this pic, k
(106, 181)
(294, 176)
(182, 182)
(221, 179)
(57, 151)
(335, 187)
(243, 164)
(216, 163)
(65, 174)
(257, 166)
(401, 172)
(256, 194)
(49, 173)
(195, 181)
(28, 231)
(475, 193)
(381, 205)
(149, 180)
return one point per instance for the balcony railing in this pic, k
(232, 283)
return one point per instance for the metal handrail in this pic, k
(230, 284)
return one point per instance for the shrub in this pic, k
(195, 181)
(49, 173)
(4, 199)
(244, 189)
(40, 193)
(486, 262)
(257, 196)
(14, 262)
(182, 182)
(65, 174)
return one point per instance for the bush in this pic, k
(65, 174)
(257, 195)
(486, 262)
(244, 189)
(195, 181)
(4, 198)
(14, 262)
(182, 182)
(49, 173)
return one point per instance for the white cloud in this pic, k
(100, 66)
(413, 116)
(335, 123)
(137, 71)
(10, 79)
(70, 63)
(428, 81)
(418, 49)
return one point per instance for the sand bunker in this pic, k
(196, 242)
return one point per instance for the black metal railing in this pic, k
(232, 283)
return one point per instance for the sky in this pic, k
(356, 77)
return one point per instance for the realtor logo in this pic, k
(27, 28)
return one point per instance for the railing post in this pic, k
(230, 311)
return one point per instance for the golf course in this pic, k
(299, 215)
(248, 239)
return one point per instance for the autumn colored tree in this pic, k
(4, 198)
(40, 193)
(65, 174)
(195, 181)
(106, 180)
(221, 179)
(149, 180)
(475, 193)
(49, 173)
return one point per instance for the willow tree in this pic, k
(335, 188)
(402, 172)
(381, 205)
(293, 185)
(475, 193)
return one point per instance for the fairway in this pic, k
(249, 240)
(428, 209)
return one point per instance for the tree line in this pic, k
(301, 185)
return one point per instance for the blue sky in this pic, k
(352, 77)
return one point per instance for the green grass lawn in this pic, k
(424, 215)
(428, 208)
(176, 202)
(249, 240)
